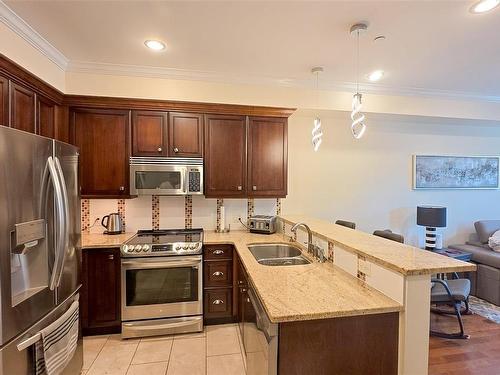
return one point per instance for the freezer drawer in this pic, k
(13, 361)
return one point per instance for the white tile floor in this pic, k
(216, 351)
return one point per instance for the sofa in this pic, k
(486, 281)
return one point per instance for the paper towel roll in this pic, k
(222, 218)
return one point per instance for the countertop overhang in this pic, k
(404, 259)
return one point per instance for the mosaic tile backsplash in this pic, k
(158, 212)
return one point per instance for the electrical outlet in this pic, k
(365, 267)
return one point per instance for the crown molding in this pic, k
(209, 76)
(25, 31)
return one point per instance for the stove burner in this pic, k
(164, 242)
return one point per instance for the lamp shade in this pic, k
(431, 216)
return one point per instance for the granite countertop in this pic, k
(404, 259)
(292, 293)
(304, 292)
(97, 240)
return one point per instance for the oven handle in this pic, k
(160, 326)
(130, 264)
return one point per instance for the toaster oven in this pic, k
(262, 224)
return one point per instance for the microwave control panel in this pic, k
(194, 181)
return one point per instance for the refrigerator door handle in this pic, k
(60, 222)
(62, 255)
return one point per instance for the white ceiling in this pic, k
(432, 47)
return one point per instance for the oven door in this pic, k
(153, 179)
(161, 287)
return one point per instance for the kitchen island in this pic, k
(365, 310)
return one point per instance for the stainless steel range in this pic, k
(162, 282)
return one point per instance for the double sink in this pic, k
(277, 254)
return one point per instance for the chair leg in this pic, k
(467, 310)
(458, 335)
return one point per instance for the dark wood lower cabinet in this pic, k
(218, 282)
(101, 307)
(355, 345)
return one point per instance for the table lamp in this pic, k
(431, 217)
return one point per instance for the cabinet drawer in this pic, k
(218, 303)
(216, 252)
(218, 273)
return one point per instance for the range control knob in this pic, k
(145, 248)
(192, 247)
(185, 247)
(125, 249)
(177, 248)
(138, 249)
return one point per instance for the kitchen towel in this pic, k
(58, 343)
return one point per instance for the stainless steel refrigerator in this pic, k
(40, 251)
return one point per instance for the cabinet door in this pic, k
(225, 156)
(22, 104)
(149, 133)
(4, 101)
(218, 303)
(101, 305)
(45, 117)
(185, 135)
(267, 157)
(103, 137)
(218, 273)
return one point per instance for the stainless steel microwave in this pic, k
(166, 176)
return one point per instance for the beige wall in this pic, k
(24, 54)
(369, 181)
(215, 92)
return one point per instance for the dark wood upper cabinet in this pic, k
(267, 157)
(4, 101)
(22, 104)
(225, 156)
(185, 135)
(103, 138)
(149, 133)
(46, 117)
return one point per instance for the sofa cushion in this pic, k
(486, 228)
(479, 244)
(480, 254)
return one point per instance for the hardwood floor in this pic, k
(479, 355)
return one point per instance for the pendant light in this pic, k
(317, 133)
(358, 126)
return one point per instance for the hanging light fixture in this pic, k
(358, 126)
(317, 133)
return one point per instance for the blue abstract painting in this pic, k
(455, 172)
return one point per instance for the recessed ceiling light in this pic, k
(375, 75)
(484, 6)
(155, 45)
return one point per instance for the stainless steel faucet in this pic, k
(316, 251)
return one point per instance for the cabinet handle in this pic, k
(122, 188)
(218, 252)
(254, 188)
(243, 290)
(159, 149)
(248, 300)
(111, 257)
(176, 150)
(218, 273)
(218, 302)
(240, 187)
(240, 282)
